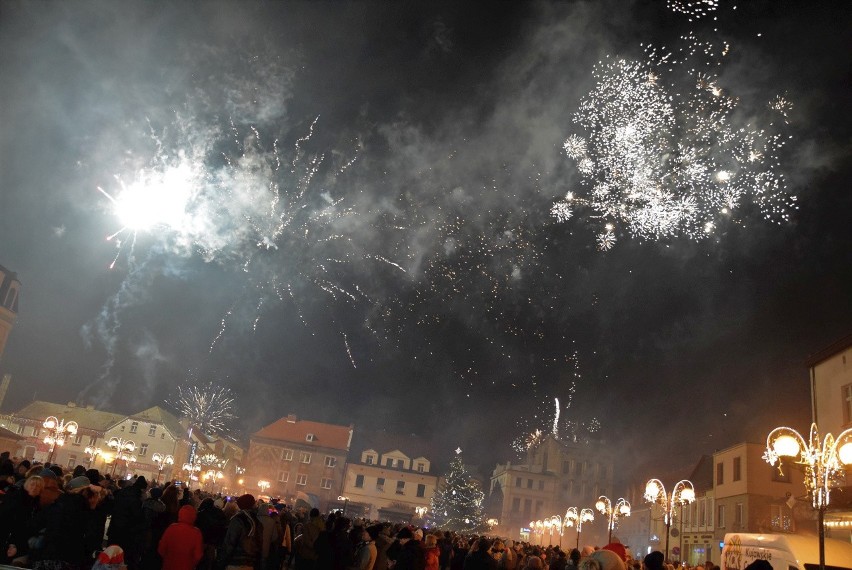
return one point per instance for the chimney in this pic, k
(291, 418)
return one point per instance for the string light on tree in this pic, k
(457, 503)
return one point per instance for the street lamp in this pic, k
(574, 518)
(92, 452)
(211, 476)
(263, 485)
(824, 464)
(556, 521)
(161, 461)
(191, 469)
(57, 431)
(123, 450)
(421, 510)
(538, 528)
(346, 504)
(682, 494)
(612, 512)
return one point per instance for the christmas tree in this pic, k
(457, 503)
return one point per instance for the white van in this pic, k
(784, 552)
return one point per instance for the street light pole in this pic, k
(682, 494)
(612, 512)
(57, 431)
(345, 503)
(823, 462)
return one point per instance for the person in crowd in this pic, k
(406, 552)
(366, 553)
(306, 555)
(271, 534)
(16, 515)
(602, 560)
(382, 541)
(241, 548)
(181, 546)
(432, 552)
(127, 525)
(480, 558)
(213, 524)
(61, 542)
(534, 562)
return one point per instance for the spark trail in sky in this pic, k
(663, 152)
(208, 407)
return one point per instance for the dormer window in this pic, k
(310, 437)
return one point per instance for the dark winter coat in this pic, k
(410, 556)
(212, 523)
(243, 541)
(127, 526)
(16, 516)
(62, 526)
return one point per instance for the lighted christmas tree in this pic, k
(457, 503)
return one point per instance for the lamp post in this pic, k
(575, 518)
(346, 504)
(824, 464)
(263, 485)
(57, 431)
(556, 521)
(161, 461)
(191, 469)
(92, 452)
(682, 494)
(212, 476)
(123, 450)
(612, 512)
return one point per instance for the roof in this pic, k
(292, 429)
(832, 349)
(86, 417)
(9, 434)
(157, 415)
(383, 442)
(702, 475)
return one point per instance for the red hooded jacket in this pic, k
(181, 546)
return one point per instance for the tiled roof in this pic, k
(157, 415)
(86, 418)
(292, 429)
(383, 442)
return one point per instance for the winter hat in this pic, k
(111, 555)
(246, 502)
(47, 473)
(654, 560)
(94, 476)
(618, 548)
(77, 483)
(606, 560)
(219, 503)
(404, 533)
(141, 482)
(156, 493)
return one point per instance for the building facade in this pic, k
(388, 477)
(752, 496)
(831, 399)
(557, 474)
(10, 289)
(151, 431)
(299, 460)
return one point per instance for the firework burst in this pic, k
(664, 154)
(207, 408)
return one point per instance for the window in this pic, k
(400, 487)
(310, 437)
(122, 428)
(720, 473)
(152, 431)
(527, 507)
(330, 461)
(301, 480)
(738, 516)
(72, 461)
(143, 450)
(517, 482)
(720, 516)
(325, 484)
(35, 430)
(92, 440)
(516, 504)
(538, 506)
(79, 439)
(565, 466)
(846, 400)
(529, 483)
(541, 485)
(421, 490)
(283, 476)
(388, 462)
(737, 468)
(575, 488)
(359, 481)
(163, 435)
(287, 455)
(20, 430)
(780, 519)
(380, 484)
(305, 457)
(421, 468)
(702, 513)
(370, 459)
(134, 426)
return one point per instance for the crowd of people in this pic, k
(55, 519)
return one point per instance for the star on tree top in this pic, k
(458, 451)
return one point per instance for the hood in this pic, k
(187, 514)
(155, 505)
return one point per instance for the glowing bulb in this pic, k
(786, 446)
(600, 505)
(844, 454)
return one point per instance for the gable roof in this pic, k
(291, 429)
(86, 417)
(383, 442)
(157, 415)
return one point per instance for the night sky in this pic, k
(440, 297)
